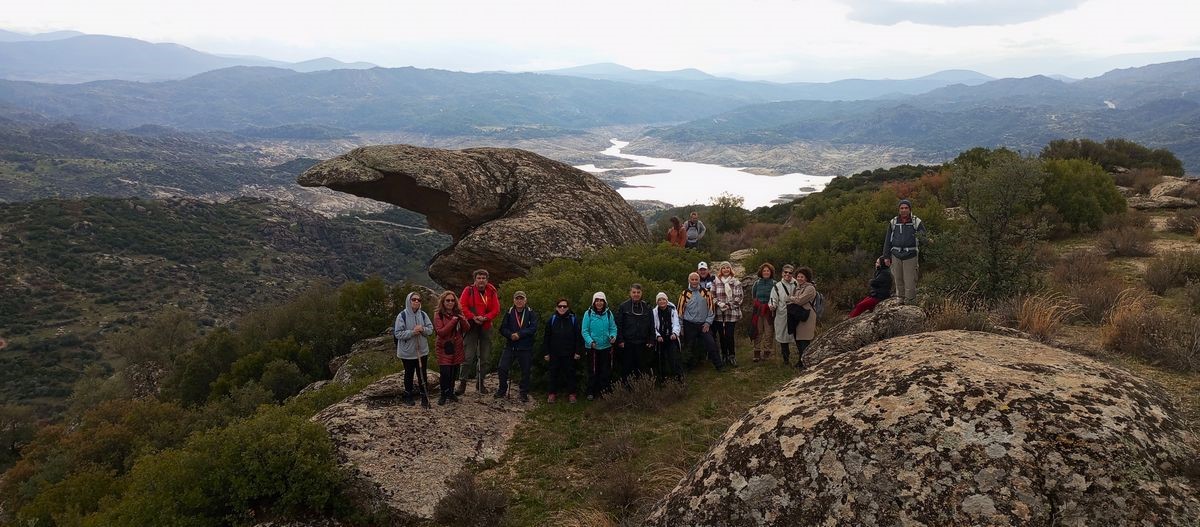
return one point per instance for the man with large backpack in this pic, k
(695, 230)
(901, 250)
(481, 304)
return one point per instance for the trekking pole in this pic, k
(421, 383)
(479, 364)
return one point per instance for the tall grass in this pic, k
(471, 503)
(953, 312)
(1137, 327)
(1172, 270)
(1042, 315)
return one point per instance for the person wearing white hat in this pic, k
(667, 331)
(706, 276)
(599, 331)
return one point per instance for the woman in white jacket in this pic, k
(780, 295)
(667, 331)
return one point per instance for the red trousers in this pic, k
(863, 306)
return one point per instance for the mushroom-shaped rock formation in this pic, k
(949, 428)
(890, 318)
(507, 210)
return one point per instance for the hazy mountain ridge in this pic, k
(1158, 105)
(841, 90)
(423, 100)
(72, 57)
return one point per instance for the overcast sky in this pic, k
(776, 39)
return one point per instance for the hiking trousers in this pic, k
(904, 273)
(476, 343)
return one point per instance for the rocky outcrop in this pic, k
(949, 428)
(891, 318)
(1171, 186)
(507, 210)
(400, 457)
(365, 356)
(1159, 202)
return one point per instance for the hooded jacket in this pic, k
(525, 330)
(903, 238)
(486, 304)
(663, 331)
(412, 344)
(598, 328)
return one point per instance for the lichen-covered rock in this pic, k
(400, 457)
(891, 318)
(949, 428)
(1171, 186)
(507, 210)
(365, 356)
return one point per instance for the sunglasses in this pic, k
(561, 307)
(416, 300)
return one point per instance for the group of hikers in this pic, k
(636, 338)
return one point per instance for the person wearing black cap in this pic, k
(519, 326)
(901, 247)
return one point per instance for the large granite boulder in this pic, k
(507, 210)
(400, 458)
(949, 428)
(891, 318)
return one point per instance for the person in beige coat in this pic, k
(803, 296)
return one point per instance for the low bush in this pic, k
(471, 504)
(754, 235)
(1126, 241)
(1083, 267)
(644, 395)
(1097, 298)
(1140, 180)
(1191, 292)
(1184, 221)
(1135, 326)
(955, 313)
(1172, 270)
(620, 491)
(1043, 314)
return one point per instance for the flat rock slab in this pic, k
(949, 428)
(400, 457)
(1160, 202)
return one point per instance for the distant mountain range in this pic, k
(1158, 105)
(400, 99)
(72, 57)
(842, 90)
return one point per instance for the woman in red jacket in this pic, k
(450, 325)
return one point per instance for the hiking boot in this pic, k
(462, 387)
(442, 400)
(407, 398)
(524, 397)
(550, 398)
(571, 399)
(499, 395)
(731, 361)
(453, 398)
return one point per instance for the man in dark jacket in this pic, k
(901, 246)
(562, 346)
(635, 336)
(519, 326)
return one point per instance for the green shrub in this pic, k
(273, 464)
(1081, 192)
(1114, 153)
(991, 253)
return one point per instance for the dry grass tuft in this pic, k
(1185, 221)
(582, 518)
(1137, 327)
(620, 446)
(1172, 270)
(955, 313)
(470, 503)
(644, 395)
(1097, 298)
(1043, 314)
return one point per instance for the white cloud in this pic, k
(783, 39)
(956, 13)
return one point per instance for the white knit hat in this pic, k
(599, 296)
(660, 295)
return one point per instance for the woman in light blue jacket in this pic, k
(599, 330)
(412, 331)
